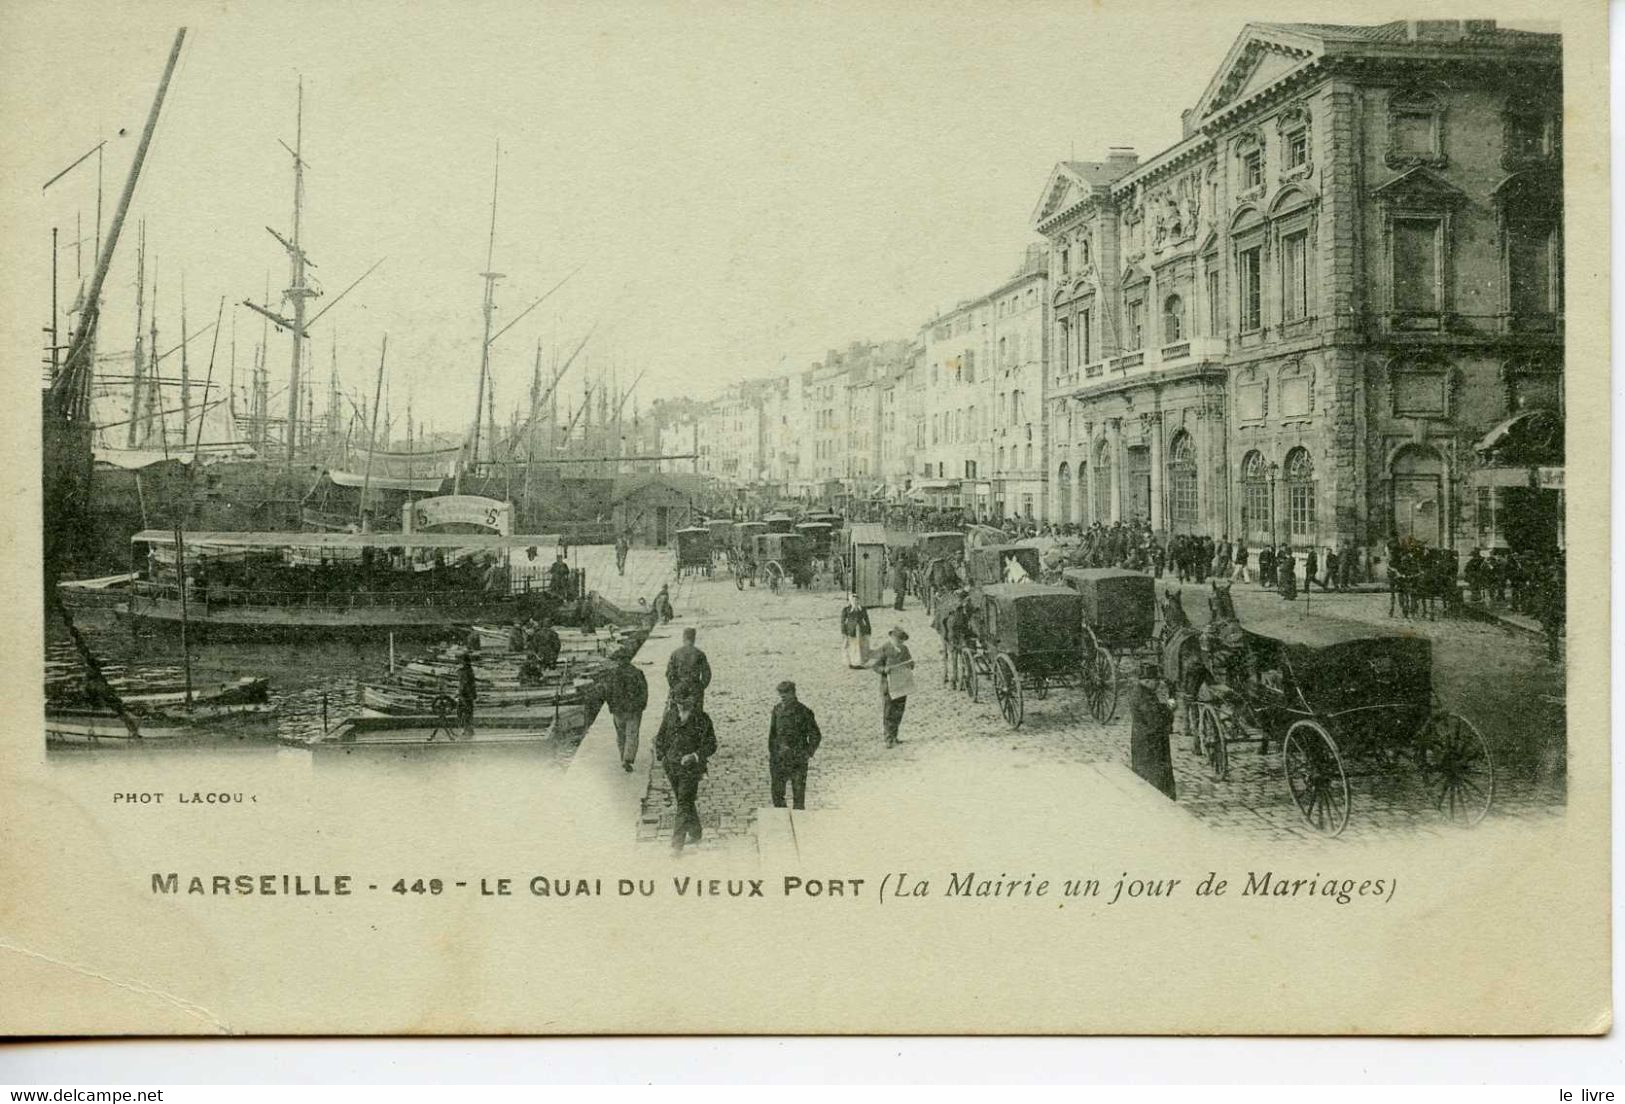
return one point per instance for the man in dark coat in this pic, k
(626, 692)
(899, 580)
(662, 607)
(792, 738)
(1311, 569)
(622, 547)
(1266, 566)
(688, 671)
(1151, 726)
(558, 577)
(544, 644)
(685, 742)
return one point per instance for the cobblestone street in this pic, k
(754, 638)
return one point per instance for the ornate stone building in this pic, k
(1314, 317)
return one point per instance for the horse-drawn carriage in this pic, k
(722, 536)
(937, 560)
(1001, 563)
(694, 551)
(821, 542)
(1342, 703)
(1023, 637)
(782, 557)
(742, 551)
(1119, 621)
(780, 523)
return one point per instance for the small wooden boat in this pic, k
(241, 710)
(386, 698)
(427, 733)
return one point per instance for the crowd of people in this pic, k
(1417, 574)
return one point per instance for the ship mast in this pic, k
(297, 290)
(140, 320)
(472, 453)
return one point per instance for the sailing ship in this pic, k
(66, 431)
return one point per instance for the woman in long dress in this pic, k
(855, 627)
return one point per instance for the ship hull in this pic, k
(261, 623)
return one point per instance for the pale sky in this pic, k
(746, 185)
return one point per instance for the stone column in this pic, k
(1159, 510)
(1087, 495)
(1114, 434)
(1080, 488)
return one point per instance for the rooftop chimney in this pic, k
(1120, 159)
(1434, 30)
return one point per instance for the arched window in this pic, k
(1182, 484)
(1173, 320)
(1063, 493)
(1300, 493)
(1103, 483)
(1256, 519)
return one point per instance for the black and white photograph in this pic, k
(845, 455)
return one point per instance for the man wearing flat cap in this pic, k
(792, 738)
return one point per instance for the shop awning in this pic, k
(1501, 477)
(1530, 437)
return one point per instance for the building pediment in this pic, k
(1419, 187)
(1260, 56)
(1064, 189)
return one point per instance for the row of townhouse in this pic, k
(1331, 313)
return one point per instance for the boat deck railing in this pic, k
(237, 597)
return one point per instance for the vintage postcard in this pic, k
(677, 517)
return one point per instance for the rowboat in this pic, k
(239, 709)
(427, 734)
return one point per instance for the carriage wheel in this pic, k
(1100, 684)
(1193, 715)
(1007, 689)
(1457, 768)
(1210, 741)
(1315, 777)
(967, 675)
(775, 575)
(1041, 688)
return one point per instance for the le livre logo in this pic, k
(1587, 1095)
